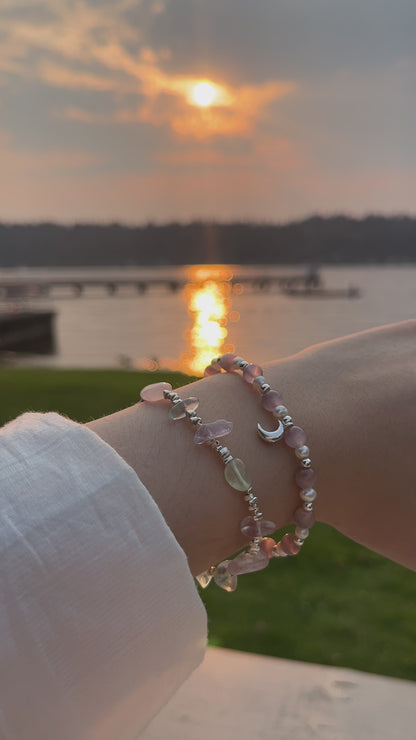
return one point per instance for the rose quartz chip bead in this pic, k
(155, 392)
(214, 429)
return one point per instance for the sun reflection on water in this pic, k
(208, 299)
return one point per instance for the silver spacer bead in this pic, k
(265, 388)
(258, 515)
(196, 420)
(299, 541)
(306, 462)
(308, 506)
(243, 364)
(287, 421)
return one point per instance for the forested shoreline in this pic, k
(334, 240)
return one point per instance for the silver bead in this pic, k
(253, 500)
(299, 541)
(306, 462)
(308, 495)
(287, 421)
(280, 411)
(308, 506)
(258, 382)
(223, 451)
(302, 533)
(265, 388)
(258, 515)
(196, 420)
(243, 364)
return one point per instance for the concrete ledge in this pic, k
(239, 695)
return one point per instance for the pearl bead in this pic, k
(302, 451)
(280, 411)
(258, 382)
(302, 533)
(308, 495)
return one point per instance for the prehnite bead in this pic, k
(252, 371)
(295, 437)
(270, 400)
(178, 411)
(236, 475)
(214, 429)
(223, 578)
(154, 392)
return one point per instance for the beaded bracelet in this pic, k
(294, 436)
(254, 526)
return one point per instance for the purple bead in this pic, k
(226, 361)
(295, 437)
(270, 400)
(288, 544)
(154, 392)
(214, 429)
(250, 372)
(248, 562)
(305, 478)
(251, 528)
(305, 519)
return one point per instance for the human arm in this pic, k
(356, 399)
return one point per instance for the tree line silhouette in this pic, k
(316, 240)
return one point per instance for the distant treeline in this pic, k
(335, 240)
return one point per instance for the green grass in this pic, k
(337, 604)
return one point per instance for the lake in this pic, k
(153, 329)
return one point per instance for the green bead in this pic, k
(236, 475)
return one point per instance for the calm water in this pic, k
(98, 330)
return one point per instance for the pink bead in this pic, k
(248, 562)
(226, 361)
(288, 544)
(270, 400)
(250, 372)
(214, 429)
(251, 528)
(154, 392)
(212, 370)
(295, 437)
(305, 478)
(267, 545)
(304, 518)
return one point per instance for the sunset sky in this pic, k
(306, 106)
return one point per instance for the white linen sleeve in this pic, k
(100, 619)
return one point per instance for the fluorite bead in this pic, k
(267, 545)
(270, 400)
(304, 518)
(178, 411)
(251, 528)
(305, 478)
(248, 562)
(250, 372)
(288, 544)
(226, 361)
(223, 578)
(206, 432)
(204, 579)
(236, 475)
(295, 436)
(154, 392)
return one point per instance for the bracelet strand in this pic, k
(254, 526)
(294, 437)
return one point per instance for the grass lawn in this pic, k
(336, 604)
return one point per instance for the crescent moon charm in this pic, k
(272, 436)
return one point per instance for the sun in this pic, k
(203, 94)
